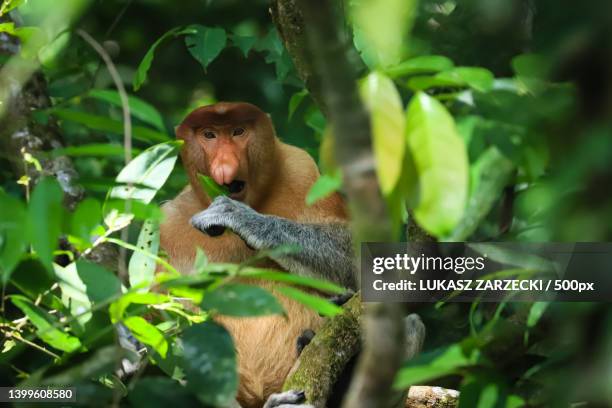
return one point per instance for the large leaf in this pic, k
(205, 43)
(323, 306)
(380, 28)
(105, 124)
(13, 221)
(441, 163)
(148, 334)
(241, 300)
(388, 126)
(147, 173)
(138, 108)
(143, 68)
(142, 268)
(45, 325)
(45, 215)
(209, 362)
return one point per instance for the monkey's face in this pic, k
(226, 154)
(234, 143)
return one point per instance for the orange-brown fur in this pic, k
(266, 346)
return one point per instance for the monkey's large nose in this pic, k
(225, 169)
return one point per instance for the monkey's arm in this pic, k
(326, 250)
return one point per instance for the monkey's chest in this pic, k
(267, 348)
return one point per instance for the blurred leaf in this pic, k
(147, 172)
(536, 312)
(488, 396)
(315, 120)
(205, 43)
(296, 100)
(476, 78)
(318, 284)
(493, 172)
(441, 163)
(531, 66)
(45, 325)
(104, 124)
(100, 283)
(138, 108)
(514, 401)
(13, 222)
(434, 364)
(244, 42)
(74, 291)
(325, 185)
(210, 186)
(388, 123)
(380, 28)
(209, 361)
(148, 334)
(141, 73)
(8, 5)
(45, 215)
(142, 268)
(94, 149)
(322, 306)
(85, 218)
(234, 299)
(422, 83)
(420, 65)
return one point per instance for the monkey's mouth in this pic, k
(236, 188)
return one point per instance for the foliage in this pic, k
(473, 138)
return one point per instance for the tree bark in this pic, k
(383, 329)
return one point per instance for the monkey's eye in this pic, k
(238, 132)
(209, 135)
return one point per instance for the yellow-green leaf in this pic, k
(441, 163)
(388, 122)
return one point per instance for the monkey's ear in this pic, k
(183, 131)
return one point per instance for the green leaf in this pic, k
(514, 401)
(388, 122)
(143, 68)
(210, 186)
(209, 362)
(148, 334)
(244, 42)
(316, 303)
(441, 163)
(138, 108)
(531, 66)
(488, 396)
(296, 100)
(13, 222)
(100, 283)
(325, 185)
(420, 65)
(146, 173)
(492, 172)
(477, 78)
(536, 312)
(434, 364)
(160, 392)
(315, 120)
(104, 124)
(8, 5)
(234, 299)
(45, 215)
(421, 83)
(85, 218)
(45, 326)
(142, 268)
(318, 284)
(205, 43)
(381, 28)
(117, 308)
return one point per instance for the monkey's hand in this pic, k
(224, 212)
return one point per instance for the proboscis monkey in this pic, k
(235, 144)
